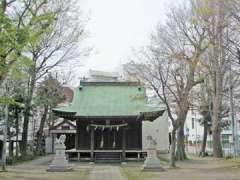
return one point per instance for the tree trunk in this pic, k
(5, 139)
(27, 114)
(17, 133)
(10, 149)
(216, 119)
(173, 149)
(39, 148)
(25, 129)
(204, 141)
(181, 118)
(180, 153)
(219, 66)
(216, 129)
(217, 146)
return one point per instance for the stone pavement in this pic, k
(36, 163)
(106, 172)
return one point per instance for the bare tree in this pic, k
(169, 68)
(217, 18)
(58, 46)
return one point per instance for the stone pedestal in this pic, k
(152, 163)
(59, 163)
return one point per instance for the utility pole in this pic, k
(5, 126)
(232, 115)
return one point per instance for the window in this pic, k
(225, 140)
(192, 123)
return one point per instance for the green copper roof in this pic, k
(108, 100)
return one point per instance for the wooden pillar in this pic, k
(54, 136)
(92, 144)
(140, 135)
(123, 144)
(76, 140)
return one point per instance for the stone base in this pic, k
(59, 168)
(60, 163)
(153, 169)
(152, 164)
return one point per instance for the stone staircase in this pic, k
(107, 157)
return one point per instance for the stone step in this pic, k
(104, 157)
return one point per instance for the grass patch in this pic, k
(235, 161)
(134, 173)
(41, 174)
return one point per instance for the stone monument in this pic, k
(60, 163)
(152, 163)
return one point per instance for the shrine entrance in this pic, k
(108, 139)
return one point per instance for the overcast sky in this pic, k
(117, 26)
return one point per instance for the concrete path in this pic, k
(105, 173)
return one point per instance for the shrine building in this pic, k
(110, 121)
